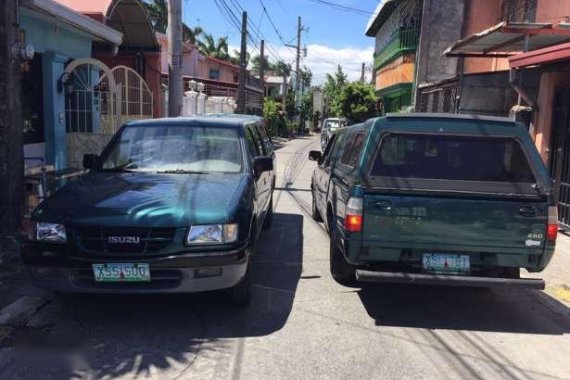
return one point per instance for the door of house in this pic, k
(560, 154)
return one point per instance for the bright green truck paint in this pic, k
(400, 226)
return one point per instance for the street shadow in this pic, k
(148, 336)
(470, 309)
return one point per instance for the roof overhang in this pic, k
(548, 55)
(381, 13)
(61, 13)
(129, 17)
(505, 39)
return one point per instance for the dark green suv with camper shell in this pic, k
(171, 205)
(435, 199)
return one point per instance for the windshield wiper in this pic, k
(180, 171)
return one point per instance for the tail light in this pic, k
(353, 216)
(552, 229)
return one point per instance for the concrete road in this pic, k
(302, 325)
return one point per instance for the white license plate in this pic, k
(446, 264)
(122, 272)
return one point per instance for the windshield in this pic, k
(332, 124)
(175, 149)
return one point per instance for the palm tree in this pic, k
(158, 12)
(190, 34)
(217, 49)
(282, 68)
(306, 77)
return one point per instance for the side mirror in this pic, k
(90, 161)
(315, 155)
(262, 164)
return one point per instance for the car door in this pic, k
(268, 151)
(263, 180)
(323, 173)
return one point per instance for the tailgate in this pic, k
(454, 224)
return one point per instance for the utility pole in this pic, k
(362, 72)
(242, 66)
(11, 135)
(298, 63)
(262, 68)
(175, 85)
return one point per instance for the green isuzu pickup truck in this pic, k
(435, 199)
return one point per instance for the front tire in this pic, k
(268, 216)
(315, 212)
(342, 272)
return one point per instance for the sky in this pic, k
(332, 36)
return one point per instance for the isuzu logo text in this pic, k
(123, 239)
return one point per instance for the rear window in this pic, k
(452, 158)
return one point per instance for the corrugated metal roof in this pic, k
(506, 39)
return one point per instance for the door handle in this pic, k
(528, 211)
(382, 205)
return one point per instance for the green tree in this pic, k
(333, 87)
(306, 77)
(271, 115)
(358, 102)
(158, 13)
(190, 34)
(214, 48)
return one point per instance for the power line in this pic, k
(344, 8)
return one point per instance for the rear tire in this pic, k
(240, 295)
(342, 272)
(268, 216)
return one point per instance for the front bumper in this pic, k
(178, 273)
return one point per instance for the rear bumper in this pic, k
(447, 280)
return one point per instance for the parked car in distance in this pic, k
(435, 199)
(330, 126)
(170, 206)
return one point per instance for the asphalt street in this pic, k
(301, 325)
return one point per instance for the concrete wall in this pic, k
(441, 26)
(491, 93)
(481, 15)
(553, 11)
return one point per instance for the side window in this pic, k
(258, 141)
(352, 150)
(328, 150)
(267, 144)
(251, 143)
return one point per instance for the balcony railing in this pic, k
(402, 41)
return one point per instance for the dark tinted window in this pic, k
(327, 154)
(252, 143)
(352, 150)
(452, 158)
(267, 144)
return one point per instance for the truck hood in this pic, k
(145, 199)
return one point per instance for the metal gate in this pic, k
(92, 102)
(136, 96)
(560, 155)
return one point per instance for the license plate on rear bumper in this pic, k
(446, 264)
(123, 272)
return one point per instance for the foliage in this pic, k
(358, 102)
(306, 107)
(214, 48)
(333, 88)
(271, 115)
(282, 69)
(316, 119)
(306, 77)
(190, 34)
(158, 13)
(290, 106)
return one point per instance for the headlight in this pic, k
(50, 232)
(212, 234)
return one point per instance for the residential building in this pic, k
(395, 26)
(59, 36)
